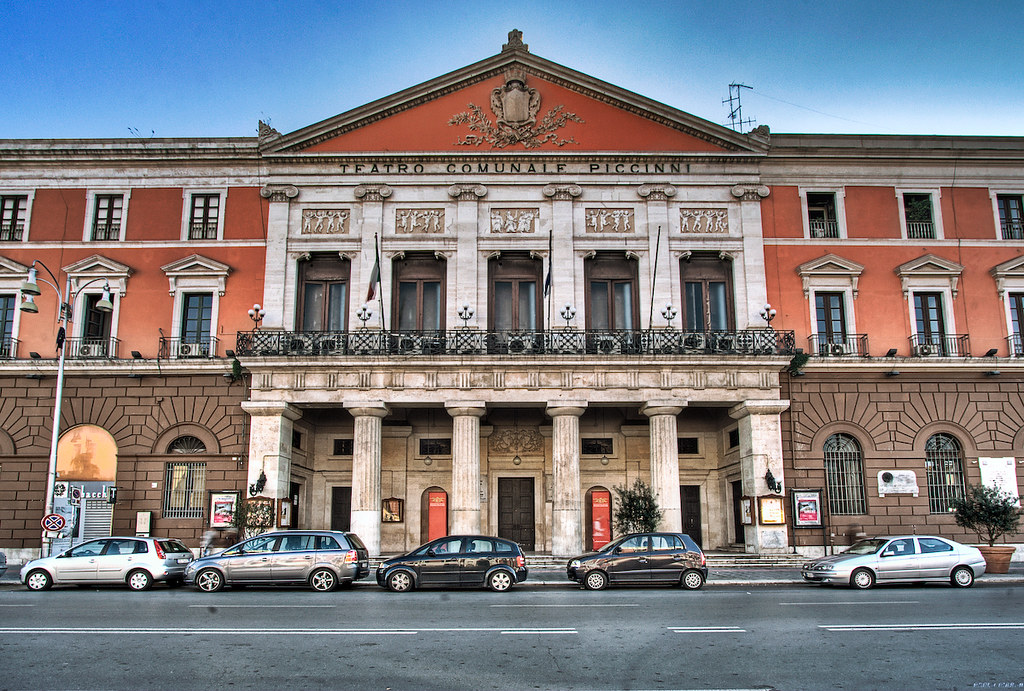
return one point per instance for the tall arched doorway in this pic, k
(599, 517)
(84, 492)
(433, 514)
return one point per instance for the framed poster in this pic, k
(807, 508)
(259, 514)
(747, 510)
(771, 510)
(392, 510)
(222, 509)
(284, 513)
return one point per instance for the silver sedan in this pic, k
(901, 559)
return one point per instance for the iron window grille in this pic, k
(944, 461)
(844, 470)
(185, 490)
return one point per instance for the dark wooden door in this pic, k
(689, 504)
(737, 511)
(515, 510)
(341, 508)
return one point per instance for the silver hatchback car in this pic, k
(323, 559)
(901, 559)
(136, 561)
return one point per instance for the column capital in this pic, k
(574, 408)
(467, 193)
(372, 193)
(656, 192)
(279, 193)
(663, 407)
(466, 408)
(769, 407)
(271, 408)
(367, 408)
(562, 192)
(750, 193)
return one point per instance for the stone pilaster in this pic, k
(760, 429)
(372, 220)
(566, 494)
(752, 292)
(275, 277)
(366, 464)
(270, 445)
(467, 284)
(562, 259)
(657, 197)
(466, 466)
(665, 460)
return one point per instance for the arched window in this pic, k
(186, 444)
(944, 460)
(185, 485)
(844, 470)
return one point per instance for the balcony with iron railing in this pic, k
(202, 231)
(940, 345)
(839, 345)
(1012, 229)
(91, 348)
(921, 230)
(8, 348)
(187, 348)
(821, 228)
(1016, 342)
(106, 231)
(12, 232)
(462, 342)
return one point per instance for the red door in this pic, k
(437, 515)
(601, 522)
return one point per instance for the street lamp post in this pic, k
(30, 289)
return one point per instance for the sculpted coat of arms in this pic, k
(515, 107)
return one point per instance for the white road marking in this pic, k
(706, 629)
(852, 602)
(991, 626)
(548, 606)
(173, 631)
(216, 606)
(17, 605)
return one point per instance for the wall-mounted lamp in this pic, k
(256, 314)
(137, 355)
(767, 313)
(466, 313)
(991, 352)
(891, 352)
(34, 376)
(773, 484)
(568, 313)
(229, 352)
(34, 355)
(993, 373)
(364, 314)
(669, 312)
(892, 373)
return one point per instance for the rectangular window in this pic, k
(185, 490)
(204, 216)
(296, 439)
(734, 438)
(611, 293)
(12, 218)
(930, 322)
(687, 446)
(1017, 323)
(1011, 216)
(106, 220)
(435, 447)
(95, 340)
(196, 321)
(596, 446)
(707, 293)
(821, 215)
(6, 325)
(831, 319)
(419, 298)
(343, 447)
(917, 210)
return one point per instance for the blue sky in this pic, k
(179, 69)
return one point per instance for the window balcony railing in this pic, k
(1013, 230)
(91, 348)
(1016, 342)
(11, 232)
(824, 229)
(106, 231)
(370, 342)
(188, 348)
(945, 345)
(839, 345)
(8, 348)
(202, 231)
(923, 230)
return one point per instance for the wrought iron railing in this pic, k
(515, 343)
(1013, 230)
(921, 230)
(91, 348)
(940, 345)
(839, 345)
(202, 231)
(188, 348)
(1016, 342)
(824, 229)
(11, 232)
(106, 231)
(8, 348)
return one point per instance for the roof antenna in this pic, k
(736, 121)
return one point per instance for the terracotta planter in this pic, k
(997, 557)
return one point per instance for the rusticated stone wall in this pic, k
(892, 417)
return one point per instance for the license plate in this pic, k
(184, 561)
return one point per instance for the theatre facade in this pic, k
(487, 301)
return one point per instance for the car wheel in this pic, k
(862, 578)
(323, 580)
(209, 580)
(962, 577)
(38, 580)
(499, 581)
(400, 581)
(596, 580)
(692, 580)
(139, 580)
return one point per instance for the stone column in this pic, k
(275, 277)
(657, 197)
(566, 499)
(270, 445)
(760, 429)
(371, 218)
(466, 466)
(366, 463)
(665, 460)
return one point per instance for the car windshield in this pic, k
(866, 546)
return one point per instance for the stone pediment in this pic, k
(830, 267)
(98, 266)
(513, 102)
(204, 269)
(9, 268)
(1009, 275)
(929, 269)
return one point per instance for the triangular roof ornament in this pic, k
(515, 42)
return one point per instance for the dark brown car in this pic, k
(642, 559)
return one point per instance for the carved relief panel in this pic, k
(514, 220)
(325, 221)
(704, 221)
(609, 220)
(408, 221)
(516, 440)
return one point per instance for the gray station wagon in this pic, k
(322, 559)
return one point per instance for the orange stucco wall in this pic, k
(967, 213)
(872, 212)
(781, 214)
(58, 215)
(246, 215)
(154, 214)
(425, 127)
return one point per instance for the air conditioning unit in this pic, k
(86, 350)
(925, 349)
(838, 349)
(189, 350)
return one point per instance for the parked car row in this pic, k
(325, 560)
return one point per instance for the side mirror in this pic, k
(431, 552)
(888, 553)
(618, 550)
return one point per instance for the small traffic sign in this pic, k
(53, 522)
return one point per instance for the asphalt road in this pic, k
(802, 637)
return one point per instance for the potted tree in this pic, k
(638, 510)
(991, 513)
